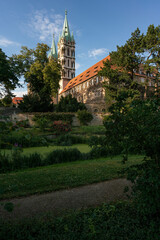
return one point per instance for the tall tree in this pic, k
(8, 77)
(41, 74)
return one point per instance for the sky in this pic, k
(98, 25)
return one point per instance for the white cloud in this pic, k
(4, 42)
(97, 52)
(19, 93)
(44, 24)
(77, 66)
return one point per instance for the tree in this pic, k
(69, 104)
(41, 74)
(8, 78)
(139, 52)
(134, 123)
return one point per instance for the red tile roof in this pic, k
(87, 74)
(17, 100)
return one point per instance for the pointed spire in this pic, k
(53, 51)
(65, 31)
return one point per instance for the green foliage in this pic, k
(107, 222)
(8, 78)
(7, 100)
(69, 139)
(66, 117)
(59, 127)
(23, 140)
(84, 117)
(65, 155)
(35, 103)
(69, 104)
(138, 128)
(42, 123)
(41, 74)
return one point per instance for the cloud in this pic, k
(43, 24)
(4, 42)
(97, 52)
(77, 66)
(19, 93)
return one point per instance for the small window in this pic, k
(95, 110)
(68, 63)
(103, 110)
(68, 52)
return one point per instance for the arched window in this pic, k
(68, 63)
(103, 110)
(95, 110)
(68, 52)
(68, 73)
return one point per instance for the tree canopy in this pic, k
(8, 77)
(141, 51)
(41, 74)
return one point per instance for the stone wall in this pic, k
(15, 115)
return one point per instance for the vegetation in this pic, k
(105, 222)
(62, 176)
(69, 104)
(8, 77)
(84, 117)
(133, 123)
(42, 76)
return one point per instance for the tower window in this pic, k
(72, 64)
(73, 53)
(68, 52)
(68, 63)
(68, 73)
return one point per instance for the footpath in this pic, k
(60, 201)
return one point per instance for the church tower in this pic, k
(66, 54)
(53, 52)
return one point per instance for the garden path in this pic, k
(60, 201)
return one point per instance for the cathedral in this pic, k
(87, 87)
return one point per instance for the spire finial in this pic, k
(65, 12)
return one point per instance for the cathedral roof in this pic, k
(86, 75)
(66, 32)
(53, 51)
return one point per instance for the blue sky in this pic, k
(98, 26)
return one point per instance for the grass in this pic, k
(84, 148)
(61, 176)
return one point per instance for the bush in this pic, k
(69, 104)
(23, 140)
(33, 103)
(107, 222)
(65, 155)
(66, 117)
(60, 127)
(68, 140)
(84, 117)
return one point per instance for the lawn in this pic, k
(62, 176)
(84, 148)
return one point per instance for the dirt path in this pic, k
(56, 202)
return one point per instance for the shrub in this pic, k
(66, 117)
(69, 139)
(33, 103)
(107, 222)
(69, 104)
(65, 155)
(42, 123)
(60, 127)
(84, 117)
